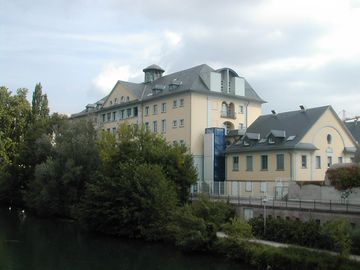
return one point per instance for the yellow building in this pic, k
(292, 146)
(179, 106)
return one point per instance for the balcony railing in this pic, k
(228, 114)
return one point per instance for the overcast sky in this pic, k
(291, 52)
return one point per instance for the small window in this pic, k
(303, 162)
(122, 99)
(318, 162)
(174, 103)
(174, 142)
(163, 126)
(181, 124)
(155, 109)
(122, 116)
(114, 116)
(248, 213)
(174, 124)
(114, 130)
(146, 110)
(249, 163)
(280, 162)
(235, 163)
(248, 186)
(264, 162)
(103, 117)
(329, 161)
(181, 102)
(115, 100)
(110, 102)
(127, 99)
(135, 109)
(241, 126)
(271, 140)
(108, 116)
(263, 187)
(241, 109)
(155, 126)
(340, 160)
(147, 126)
(182, 142)
(128, 112)
(163, 108)
(328, 138)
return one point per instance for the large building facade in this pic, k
(179, 106)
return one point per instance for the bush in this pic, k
(237, 228)
(339, 232)
(355, 240)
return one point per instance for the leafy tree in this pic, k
(136, 203)
(59, 181)
(345, 178)
(14, 122)
(237, 228)
(136, 146)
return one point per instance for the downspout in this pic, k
(246, 114)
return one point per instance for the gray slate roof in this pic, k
(354, 128)
(181, 81)
(294, 123)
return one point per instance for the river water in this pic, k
(36, 244)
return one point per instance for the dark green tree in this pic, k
(59, 181)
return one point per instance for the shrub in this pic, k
(237, 228)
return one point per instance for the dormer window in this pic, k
(246, 143)
(271, 140)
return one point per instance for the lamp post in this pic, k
(264, 202)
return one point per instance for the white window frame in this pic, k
(263, 187)
(248, 186)
(174, 124)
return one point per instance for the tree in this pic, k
(59, 181)
(14, 122)
(345, 178)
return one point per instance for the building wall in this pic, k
(328, 124)
(271, 176)
(179, 133)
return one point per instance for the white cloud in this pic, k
(112, 72)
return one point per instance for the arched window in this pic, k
(127, 98)
(328, 138)
(224, 109)
(122, 99)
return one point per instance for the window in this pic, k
(114, 130)
(108, 116)
(263, 187)
(181, 124)
(127, 98)
(110, 102)
(352, 160)
(155, 109)
(181, 102)
(248, 213)
(248, 186)
(328, 138)
(114, 116)
(115, 100)
(147, 126)
(163, 126)
(235, 163)
(249, 163)
(340, 160)
(174, 103)
(241, 126)
(108, 130)
(135, 109)
(128, 112)
(318, 162)
(174, 124)
(182, 142)
(122, 99)
(122, 114)
(280, 162)
(241, 109)
(303, 162)
(329, 159)
(163, 108)
(103, 117)
(271, 140)
(146, 110)
(174, 142)
(264, 162)
(155, 126)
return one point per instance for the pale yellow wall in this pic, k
(199, 113)
(116, 94)
(317, 135)
(171, 114)
(257, 174)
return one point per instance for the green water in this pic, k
(36, 244)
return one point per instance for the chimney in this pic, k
(303, 109)
(273, 112)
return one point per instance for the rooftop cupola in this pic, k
(153, 73)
